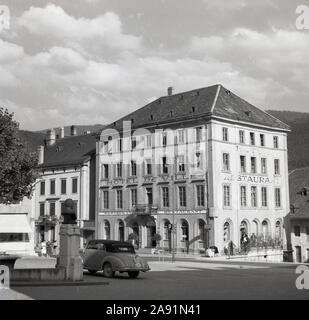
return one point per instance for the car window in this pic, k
(122, 248)
(92, 245)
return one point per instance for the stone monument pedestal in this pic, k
(69, 256)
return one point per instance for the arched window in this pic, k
(226, 232)
(202, 231)
(278, 233)
(255, 229)
(244, 226)
(107, 230)
(265, 229)
(121, 230)
(166, 231)
(185, 230)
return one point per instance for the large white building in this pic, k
(204, 164)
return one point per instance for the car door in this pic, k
(90, 255)
(97, 259)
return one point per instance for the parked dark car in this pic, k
(111, 256)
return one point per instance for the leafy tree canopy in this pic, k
(17, 166)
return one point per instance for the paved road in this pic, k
(185, 280)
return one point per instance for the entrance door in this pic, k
(298, 253)
(150, 233)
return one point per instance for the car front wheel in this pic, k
(133, 274)
(108, 270)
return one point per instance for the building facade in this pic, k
(297, 221)
(67, 170)
(205, 164)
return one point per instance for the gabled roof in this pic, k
(72, 150)
(214, 101)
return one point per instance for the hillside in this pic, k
(80, 129)
(298, 139)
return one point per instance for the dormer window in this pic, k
(171, 113)
(151, 117)
(193, 109)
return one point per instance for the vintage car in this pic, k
(111, 256)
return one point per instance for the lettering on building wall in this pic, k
(249, 179)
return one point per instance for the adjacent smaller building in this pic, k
(67, 170)
(297, 221)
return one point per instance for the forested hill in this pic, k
(298, 139)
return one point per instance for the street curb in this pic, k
(57, 284)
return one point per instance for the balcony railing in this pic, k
(145, 209)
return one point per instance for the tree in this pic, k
(17, 166)
(157, 238)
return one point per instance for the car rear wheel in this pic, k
(133, 274)
(108, 270)
(92, 271)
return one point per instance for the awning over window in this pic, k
(14, 223)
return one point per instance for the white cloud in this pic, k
(53, 21)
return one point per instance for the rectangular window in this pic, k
(226, 196)
(52, 186)
(105, 199)
(262, 140)
(164, 165)
(226, 162)
(119, 170)
(165, 197)
(277, 166)
(264, 197)
(181, 163)
(63, 186)
(74, 185)
(105, 146)
(276, 142)
(263, 166)
(181, 136)
(42, 188)
(198, 134)
(148, 167)
(42, 209)
(278, 197)
(241, 136)
(198, 160)
(307, 235)
(225, 134)
(253, 165)
(149, 196)
(253, 196)
(148, 141)
(119, 199)
(297, 231)
(182, 197)
(133, 143)
(200, 192)
(119, 145)
(164, 139)
(105, 173)
(252, 138)
(52, 208)
(243, 164)
(133, 197)
(133, 168)
(243, 196)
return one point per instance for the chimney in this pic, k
(40, 152)
(61, 132)
(50, 137)
(169, 91)
(73, 131)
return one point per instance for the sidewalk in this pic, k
(9, 294)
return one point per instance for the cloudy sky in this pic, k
(92, 61)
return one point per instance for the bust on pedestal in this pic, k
(69, 257)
